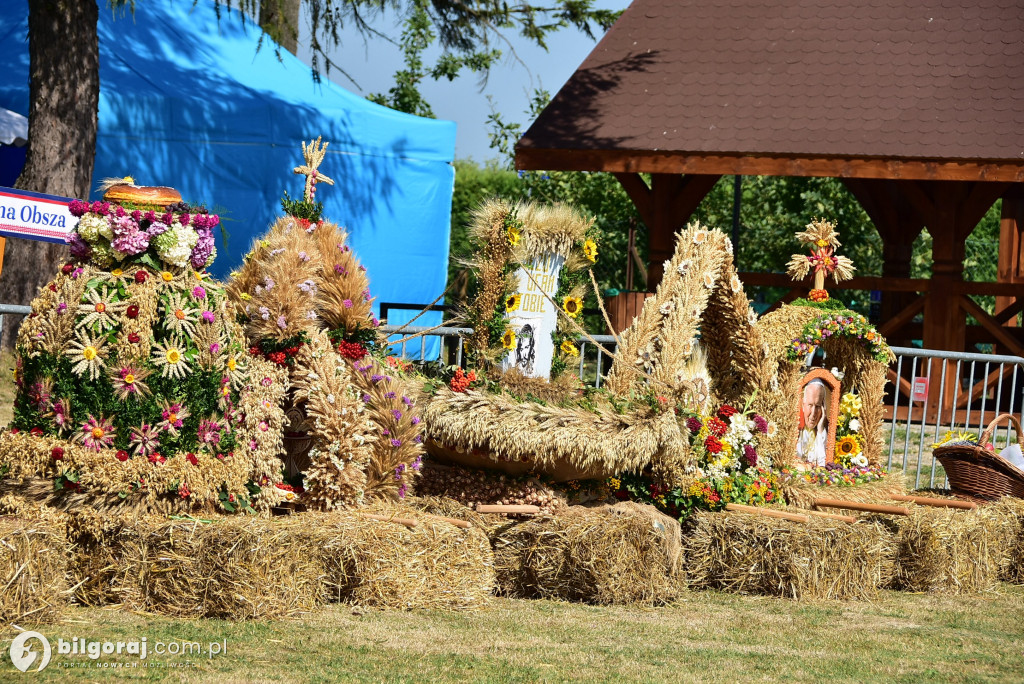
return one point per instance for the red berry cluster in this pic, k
(351, 350)
(460, 381)
(281, 358)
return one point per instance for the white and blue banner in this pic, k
(35, 216)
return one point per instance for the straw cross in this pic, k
(822, 239)
(314, 156)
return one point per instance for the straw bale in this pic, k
(256, 568)
(802, 494)
(387, 565)
(949, 551)
(1008, 538)
(234, 568)
(819, 559)
(33, 569)
(606, 555)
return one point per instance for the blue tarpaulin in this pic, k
(187, 101)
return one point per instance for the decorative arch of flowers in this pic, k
(842, 323)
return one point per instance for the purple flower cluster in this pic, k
(761, 424)
(128, 235)
(750, 454)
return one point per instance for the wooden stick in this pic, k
(767, 512)
(408, 522)
(454, 521)
(858, 506)
(507, 508)
(941, 503)
(833, 516)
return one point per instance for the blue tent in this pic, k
(187, 101)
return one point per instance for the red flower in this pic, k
(67, 268)
(191, 458)
(140, 276)
(57, 453)
(133, 309)
(134, 338)
(717, 427)
(15, 431)
(53, 287)
(121, 455)
(36, 432)
(304, 223)
(726, 412)
(156, 458)
(713, 444)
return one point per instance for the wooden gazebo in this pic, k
(917, 106)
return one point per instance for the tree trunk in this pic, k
(64, 91)
(280, 19)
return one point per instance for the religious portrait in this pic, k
(818, 410)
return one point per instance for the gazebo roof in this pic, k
(931, 89)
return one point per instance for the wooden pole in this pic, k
(858, 506)
(508, 509)
(408, 522)
(766, 512)
(832, 516)
(454, 521)
(940, 503)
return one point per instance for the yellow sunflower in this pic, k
(847, 446)
(569, 348)
(512, 302)
(513, 236)
(590, 250)
(572, 306)
(508, 340)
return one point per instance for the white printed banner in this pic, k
(35, 216)
(536, 318)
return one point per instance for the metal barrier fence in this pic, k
(984, 385)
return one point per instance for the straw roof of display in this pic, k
(601, 441)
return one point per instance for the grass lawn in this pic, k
(707, 637)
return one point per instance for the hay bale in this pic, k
(606, 555)
(233, 567)
(256, 568)
(950, 551)
(1008, 540)
(33, 569)
(382, 564)
(823, 558)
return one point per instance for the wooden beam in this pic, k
(640, 193)
(689, 196)
(903, 317)
(997, 331)
(751, 278)
(682, 162)
(1003, 316)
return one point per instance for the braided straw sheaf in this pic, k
(602, 442)
(661, 337)
(342, 432)
(736, 356)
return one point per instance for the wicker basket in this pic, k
(975, 471)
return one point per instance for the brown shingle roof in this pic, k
(890, 79)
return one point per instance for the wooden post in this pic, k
(1011, 248)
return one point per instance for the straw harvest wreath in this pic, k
(132, 378)
(304, 302)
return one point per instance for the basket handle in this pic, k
(986, 436)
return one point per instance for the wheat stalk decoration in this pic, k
(314, 156)
(821, 238)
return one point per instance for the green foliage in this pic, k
(300, 208)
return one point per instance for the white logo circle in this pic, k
(22, 657)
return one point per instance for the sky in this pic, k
(372, 63)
